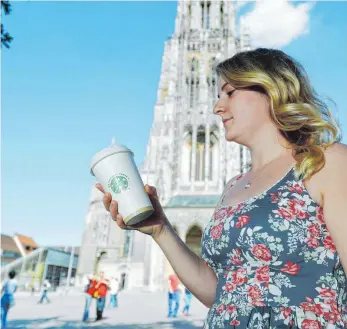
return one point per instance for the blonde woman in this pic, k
(274, 254)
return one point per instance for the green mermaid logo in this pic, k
(118, 183)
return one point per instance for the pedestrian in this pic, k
(7, 297)
(32, 288)
(169, 298)
(187, 301)
(101, 292)
(90, 290)
(274, 254)
(114, 289)
(173, 295)
(46, 286)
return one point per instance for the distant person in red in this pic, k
(90, 294)
(101, 292)
(174, 295)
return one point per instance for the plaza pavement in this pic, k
(137, 310)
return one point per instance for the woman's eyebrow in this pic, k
(224, 86)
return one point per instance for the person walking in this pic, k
(90, 292)
(114, 289)
(101, 292)
(187, 301)
(46, 286)
(173, 295)
(7, 297)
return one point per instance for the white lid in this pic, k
(115, 148)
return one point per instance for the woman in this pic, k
(274, 251)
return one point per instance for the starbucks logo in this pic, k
(118, 183)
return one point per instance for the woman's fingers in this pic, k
(151, 190)
(114, 209)
(112, 205)
(107, 200)
(99, 187)
(120, 223)
(116, 216)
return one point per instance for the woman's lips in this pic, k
(226, 120)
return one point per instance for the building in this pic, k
(25, 244)
(187, 158)
(9, 250)
(58, 265)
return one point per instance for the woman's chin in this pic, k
(229, 137)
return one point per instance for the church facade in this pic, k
(187, 157)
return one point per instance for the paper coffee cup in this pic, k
(116, 171)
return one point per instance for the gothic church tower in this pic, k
(187, 154)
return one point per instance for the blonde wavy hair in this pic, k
(295, 108)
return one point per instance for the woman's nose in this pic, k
(219, 108)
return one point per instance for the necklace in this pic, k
(249, 184)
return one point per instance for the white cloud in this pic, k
(276, 23)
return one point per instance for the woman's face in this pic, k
(245, 113)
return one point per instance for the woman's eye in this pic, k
(230, 93)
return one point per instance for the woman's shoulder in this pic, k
(335, 160)
(334, 169)
(336, 150)
(335, 157)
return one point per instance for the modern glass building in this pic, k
(56, 265)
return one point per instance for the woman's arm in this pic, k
(333, 184)
(190, 268)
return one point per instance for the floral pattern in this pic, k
(276, 263)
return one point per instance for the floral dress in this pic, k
(276, 263)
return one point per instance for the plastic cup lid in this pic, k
(115, 148)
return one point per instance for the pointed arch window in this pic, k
(186, 154)
(194, 67)
(193, 239)
(200, 154)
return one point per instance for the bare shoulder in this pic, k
(336, 153)
(335, 167)
(333, 172)
(335, 162)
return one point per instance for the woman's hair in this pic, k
(300, 115)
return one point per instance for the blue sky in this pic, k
(79, 73)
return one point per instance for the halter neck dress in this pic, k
(276, 263)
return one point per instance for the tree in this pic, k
(6, 38)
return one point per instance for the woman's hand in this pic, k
(153, 225)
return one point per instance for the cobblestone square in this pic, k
(137, 310)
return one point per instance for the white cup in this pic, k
(116, 171)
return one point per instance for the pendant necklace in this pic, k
(249, 184)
